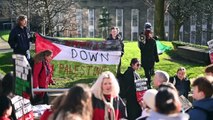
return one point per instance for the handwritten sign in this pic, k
(22, 76)
(185, 103)
(210, 44)
(74, 69)
(141, 87)
(23, 108)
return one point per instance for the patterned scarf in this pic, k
(109, 109)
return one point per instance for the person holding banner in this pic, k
(107, 105)
(116, 36)
(20, 38)
(131, 86)
(42, 74)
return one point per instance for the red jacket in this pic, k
(42, 75)
(4, 118)
(98, 108)
(46, 114)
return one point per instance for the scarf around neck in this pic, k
(108, 109)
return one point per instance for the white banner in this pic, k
(88, 56)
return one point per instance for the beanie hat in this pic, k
(149, 98)
(147, 26)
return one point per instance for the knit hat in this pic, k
(147, 26)
(149, 98)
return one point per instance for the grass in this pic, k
(4, 35)
(169, 62)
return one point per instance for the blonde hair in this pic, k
(97, 86)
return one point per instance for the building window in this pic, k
(181, 33)
(91, 19)
(134, 24)
(204, 30)
(150, 16)
(166, 25)
(192, 29)
(119, 20)
(79, 22)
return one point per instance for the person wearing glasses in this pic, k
(130, 76)
(181, 82)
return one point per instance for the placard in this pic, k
(141, 87)
(22, 73)
(23, 108)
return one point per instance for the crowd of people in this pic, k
(109, 98)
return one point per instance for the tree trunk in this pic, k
(159, 19)
(49, 23)
(209, 28)
(176, 30)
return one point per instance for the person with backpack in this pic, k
(42, 75)
(202, 107)
(181, 82)
(129, 90)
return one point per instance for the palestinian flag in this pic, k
(88, 52)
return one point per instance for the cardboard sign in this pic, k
(22, 76)
(185, 103)
(23, 108)
(141, 87)
(210, 44)
(211, 55)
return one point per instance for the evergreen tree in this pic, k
(104, 22)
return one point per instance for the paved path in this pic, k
(4, 47)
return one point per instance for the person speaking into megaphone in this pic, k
(148, 49)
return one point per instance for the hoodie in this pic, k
(198, 114)
(158, 116)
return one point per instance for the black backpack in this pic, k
(121, 83)
(209, 114)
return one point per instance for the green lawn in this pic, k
(168, 62)
(5, 34)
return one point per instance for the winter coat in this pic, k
(133, 107)
(42, 75)
(98, 108)
(118, 37)
(19, 40)
(4, 118)
(183, 86)
(158, 116)
(198, 114)
(149, 53)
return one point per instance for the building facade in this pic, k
(129, 16)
